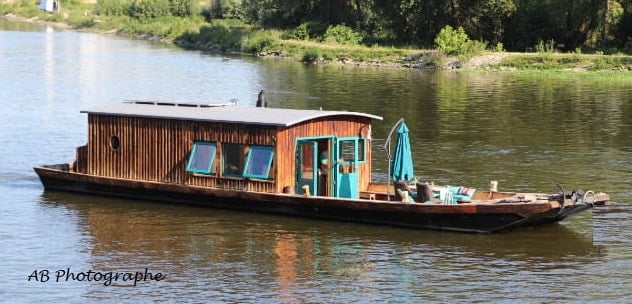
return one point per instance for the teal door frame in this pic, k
(346, 182)
(302, 178)
(342, 184)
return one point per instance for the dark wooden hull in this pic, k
(463, 217)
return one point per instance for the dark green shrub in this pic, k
(149, 9)
(184, 8)
(307, 30)
(342, 34)
(112, 7)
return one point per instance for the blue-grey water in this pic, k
(466, 129)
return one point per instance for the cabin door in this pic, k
(346, 168)
(306, 166)
(313, 167)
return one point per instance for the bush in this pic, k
(226, 9)
(499, 47)
(184, 8)
(472, 48)
(258, 43)
(112, 7)
(307, 30)
(342, 34)
(310, 55)
(148, 9)
(450, 40)
(215, 34)
(545, 47)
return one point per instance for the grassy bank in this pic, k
(234, 36)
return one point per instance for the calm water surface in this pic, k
(467, 129)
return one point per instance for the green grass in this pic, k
(572, 61)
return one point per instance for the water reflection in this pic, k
(292, 258)
(167, 231)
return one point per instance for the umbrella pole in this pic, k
(387, 147)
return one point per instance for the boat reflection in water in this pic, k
(193, 244)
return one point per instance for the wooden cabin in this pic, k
(271, 150)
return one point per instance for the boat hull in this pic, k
(480, 218)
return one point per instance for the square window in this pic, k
(233, 159)
(259, 162)
(202, 158)
(347, 150)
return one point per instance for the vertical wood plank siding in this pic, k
(82, 159)
(158, 149)
(342, 126)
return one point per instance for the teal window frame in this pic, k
(357, 142)
(268, 163)
(209, 169)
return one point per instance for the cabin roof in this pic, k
(224, 113)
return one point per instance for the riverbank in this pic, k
(227, 36)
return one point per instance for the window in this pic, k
(202, 158)
(349, 147)
(347, 150)
(361, 149)
(234, 159)
(258, 162)
(115, 142)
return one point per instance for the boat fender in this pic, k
(592, 194)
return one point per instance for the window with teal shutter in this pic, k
(259, 161)
(202, 158)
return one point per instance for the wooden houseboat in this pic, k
(298, 162)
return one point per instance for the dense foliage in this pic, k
(517, 24)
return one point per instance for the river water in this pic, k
(466, 128)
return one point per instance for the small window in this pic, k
(202, 158)
(361, 149)
(347, 150)
(115, 142)
(234, 159)
(258, 162)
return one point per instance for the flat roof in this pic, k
(225, 113)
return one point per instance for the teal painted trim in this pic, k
(357, 141)
(313, 138)
(212, 160)
(268, 165)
